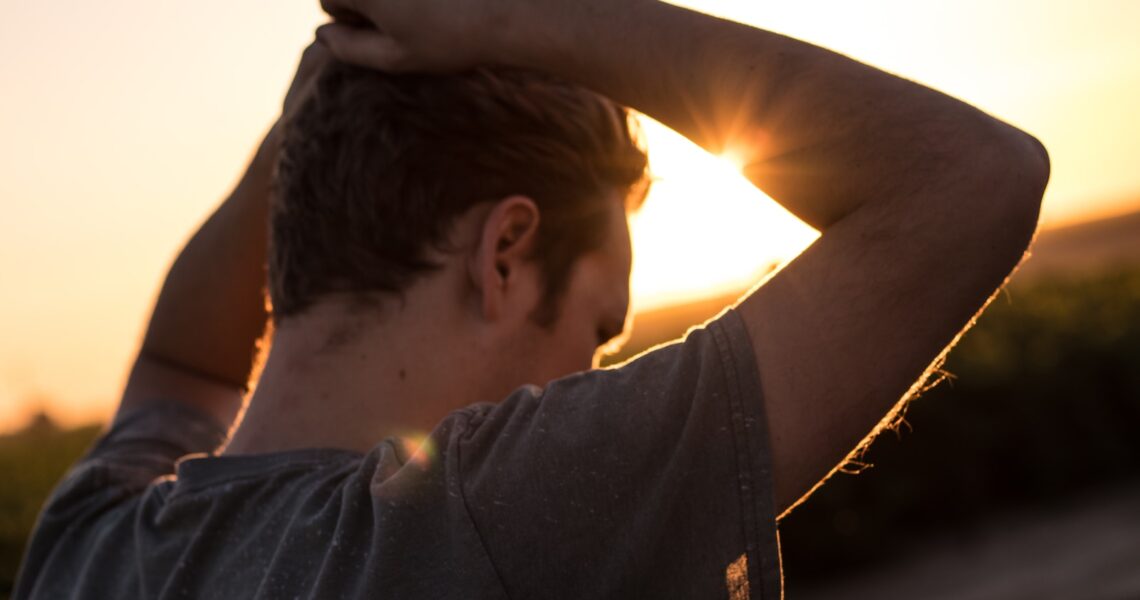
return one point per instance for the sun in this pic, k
(704, 229)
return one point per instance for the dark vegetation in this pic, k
(1044, 404)
(30, 464)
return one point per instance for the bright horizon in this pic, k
(123, 124)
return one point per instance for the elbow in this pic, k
(1016, 174)
(1030, 176)
(999, 180)
(1039, 158)
(1031, 172)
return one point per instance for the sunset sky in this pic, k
(123, 123)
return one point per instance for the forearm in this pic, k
(211, 310)
(821, 133)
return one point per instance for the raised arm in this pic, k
(199, 347)
(926, 204)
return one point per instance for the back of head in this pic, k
(377, 167)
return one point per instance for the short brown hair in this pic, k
(376, 167)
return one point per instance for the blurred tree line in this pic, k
(31, 462)
(1044, 403)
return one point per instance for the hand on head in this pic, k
(425, 35)
(312, 63)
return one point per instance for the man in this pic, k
(662, 478)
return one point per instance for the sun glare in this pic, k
(704, 229)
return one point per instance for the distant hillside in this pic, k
(1096, 245)
(1076, 249)
(661, 325)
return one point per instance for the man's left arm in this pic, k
(200, 342)
(200, 345)
(188, 382)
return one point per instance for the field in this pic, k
(1036, 431)
(30, 464)
(1043, 410)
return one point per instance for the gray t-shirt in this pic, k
(647, 481)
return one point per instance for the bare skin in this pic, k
(925, 205)
(335, 377)
(400, 371)
(200, 343)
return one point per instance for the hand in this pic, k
(313, 61)
(421, 35)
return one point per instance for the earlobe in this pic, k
(486, 278)
(507, 239)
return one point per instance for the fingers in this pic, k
(344, 11)
(313, 60)
(362, 46)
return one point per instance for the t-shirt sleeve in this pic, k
(142, 444)
(649, 480)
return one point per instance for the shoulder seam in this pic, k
(743, 442)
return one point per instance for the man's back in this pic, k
(319, 523)
(646, 481)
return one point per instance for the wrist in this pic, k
(271, 144)
(264, 159)
(547, 36)
(587, 42)
(525, 41)
(255, 185)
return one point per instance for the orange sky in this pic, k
(123, 123)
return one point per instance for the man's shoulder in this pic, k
(279, 516)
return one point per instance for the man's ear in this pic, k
(507, 240)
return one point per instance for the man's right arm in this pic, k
(926, 204)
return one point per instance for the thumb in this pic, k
(362, 46)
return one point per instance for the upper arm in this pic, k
(153, 378)
(94, 499)
(843, 332)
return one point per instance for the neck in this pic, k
(336, 381)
